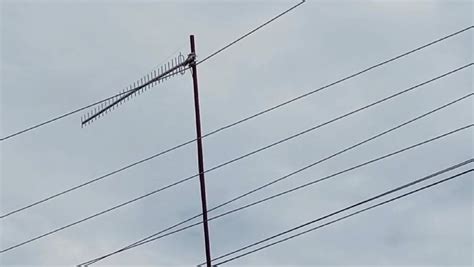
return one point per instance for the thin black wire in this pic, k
(290, 174)
(103, 100)
(253, 116)
(229, 162)
(150, 239)
(249, 33)
(224, 164)
(360, 203)
(75, 111)
(336, 220)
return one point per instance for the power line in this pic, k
(70, 113)
(250, 32)
(218, 166)
(128, 91)
(274, 181)
(231, 161)
(159, 235)
(77, 110)
(399, 188)
(336, 220)
(253, 116)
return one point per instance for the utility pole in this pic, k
(202, 182)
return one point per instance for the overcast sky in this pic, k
(60, 55)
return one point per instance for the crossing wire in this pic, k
(191, 141)
(230, 161)
(141, 241)
(333, 221)
(127, 91)
(160, 234)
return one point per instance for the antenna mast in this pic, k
(200, 153)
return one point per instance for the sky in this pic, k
(57, 56)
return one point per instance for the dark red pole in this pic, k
(200, 156)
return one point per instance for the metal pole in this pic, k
(200, 156)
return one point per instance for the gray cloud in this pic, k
(60, 55)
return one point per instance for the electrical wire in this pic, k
(78, 110)
(294, 189)
(127, 91)
(252, 116)
(228, 162)
(221, 165)
(274, 181)
(333, 221)
(250, 33)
